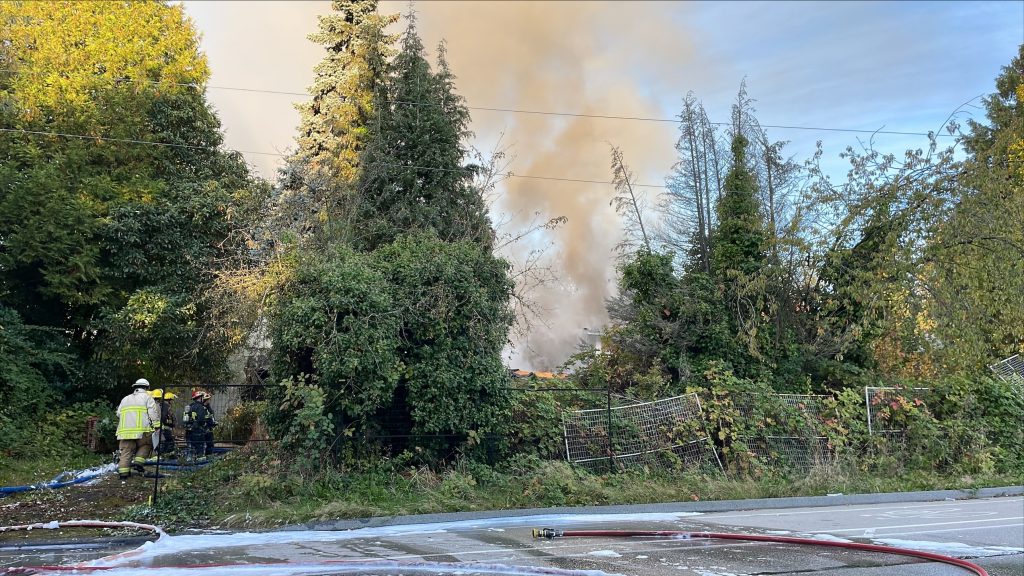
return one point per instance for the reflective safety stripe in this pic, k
(131, 425)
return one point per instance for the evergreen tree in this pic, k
(740, 238)
(317, 180)
(413, 175)
(400, 331)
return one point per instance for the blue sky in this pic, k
(864, 65)
(902, 65)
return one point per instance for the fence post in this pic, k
(157, 449)
(491, 439)
(611, 450)
(867, 406)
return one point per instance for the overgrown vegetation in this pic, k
(369, 270)
(109, 247)
(248, 489)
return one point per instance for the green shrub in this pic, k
(240, 421)
(309, 430)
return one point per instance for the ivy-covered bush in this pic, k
(404, 343)
(453, 305)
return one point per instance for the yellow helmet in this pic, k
(159, 393)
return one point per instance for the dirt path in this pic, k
(107, 499)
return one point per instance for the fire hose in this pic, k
(326, 567)
(59, 481)
(548, 533)
(684, 535)
(82, 524)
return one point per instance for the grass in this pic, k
(251, 490)
(254, 488)
(22, 471)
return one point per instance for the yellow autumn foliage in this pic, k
(62, 56)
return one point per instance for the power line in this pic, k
(672, 120)
(130, 141)
(194, 147)
(529, 112)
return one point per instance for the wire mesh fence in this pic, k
(1011, 370)
(233, 409)
(670, 429)
(885, 407)
(790, 428)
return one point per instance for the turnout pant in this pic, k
(197, 443)
(166, 441)
(133, 452)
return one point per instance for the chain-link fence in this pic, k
(234, 407)
(887, 407)
(592, 428)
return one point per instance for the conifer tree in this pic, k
(413, 177)
(317, 180)
(740, 240)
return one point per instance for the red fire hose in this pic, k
(334, 567)
(537, 533)
(681, 534)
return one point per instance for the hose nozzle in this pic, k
(548, 533)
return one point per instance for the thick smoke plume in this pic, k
(577, 57)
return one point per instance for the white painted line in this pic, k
(694, 544)
(863, 528)
(962, 529)
(820, 509)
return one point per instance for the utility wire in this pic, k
(521, 111)
(131, 141)
(194, 147)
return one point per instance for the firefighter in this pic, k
(211, 422)
(167, 421)
(195, 420)
(137, 417)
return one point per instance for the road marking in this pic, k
(963, 529)
(693, 544)
(820, 509)
(933, 513)
(863, 528)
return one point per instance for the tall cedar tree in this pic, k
(738, 257)
(740, 237)
(317, 180)
(400, 331)
(413, 178)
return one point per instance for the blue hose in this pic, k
(195, 466)
(53, 484)
(58, 481)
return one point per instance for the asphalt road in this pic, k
(990, 531)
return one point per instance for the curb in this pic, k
(709, 506)
(86, 543)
